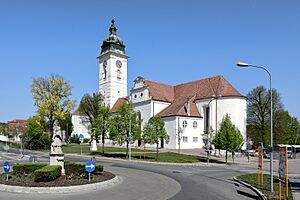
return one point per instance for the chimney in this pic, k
(188, 106)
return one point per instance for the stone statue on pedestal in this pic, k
(93, 144)
(56, 154)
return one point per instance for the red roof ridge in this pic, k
(207, 78)
(178, 108)
(159, 83)
(18, 121)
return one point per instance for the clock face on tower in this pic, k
(119, 64)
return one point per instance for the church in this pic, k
(192, 111)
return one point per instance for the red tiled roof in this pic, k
(207, 88)
(177, 95)
(180, 108)
(118, 103)
(17, 125)
(160, 91)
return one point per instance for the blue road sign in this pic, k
(6, 167)
(81, 137)
(90, 166)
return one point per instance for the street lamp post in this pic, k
(241, 64)
(129, 136)
(209, 133)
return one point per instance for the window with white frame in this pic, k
(195, 124)
(195, 139)
(184, 139)
(184, 124)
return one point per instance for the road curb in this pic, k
(259, 193)
(64, 189)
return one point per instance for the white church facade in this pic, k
(192, 111)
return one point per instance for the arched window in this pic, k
(184, 124)
(119, 74)
(104, 70)
(195, 124)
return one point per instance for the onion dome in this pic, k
(113, 42)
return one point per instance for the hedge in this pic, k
(99, 168)
(78, 169)
(47, 173)
(28, 168)
(74, 168)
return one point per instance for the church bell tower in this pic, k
(112, 67)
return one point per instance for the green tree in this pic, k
(258, 113)
(97, 114)
(228, 137)
(294, 127)
(35, 135)
(286, 128)
(124, 126)
(102, 123)
(51, 96)
(154, 131)
(3, 129)
(67, 126)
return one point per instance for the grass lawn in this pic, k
(168, 157)
(265, 188)
(172, 157)
(151, 156)
(137, 154)
(76, 148)
(10, 144)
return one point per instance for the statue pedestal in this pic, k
(58, 159)
(56, 155)
(93, 146)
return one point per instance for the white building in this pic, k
(80, 125)
(189, 110)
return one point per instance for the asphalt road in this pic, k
(150, 181)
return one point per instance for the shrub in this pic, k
(74, 168)
(66, 162)
(75, 139)
(28, 168)
(79, 169)
(86, 140)
(47, 173)
(98, 169)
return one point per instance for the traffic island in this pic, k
(264, 188)
(26, 177)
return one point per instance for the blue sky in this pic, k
(167, 41)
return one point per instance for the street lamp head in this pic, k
(242, 64)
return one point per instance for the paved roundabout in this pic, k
(128, 184)
(139, 180)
